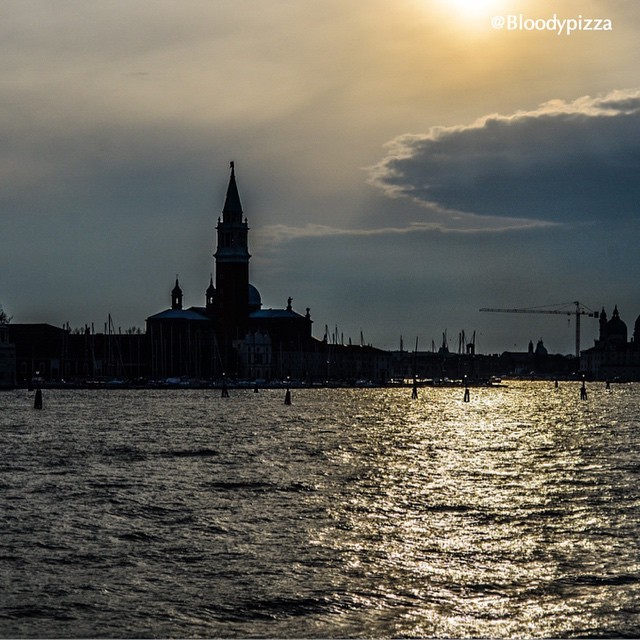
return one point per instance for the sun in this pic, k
(474, 8)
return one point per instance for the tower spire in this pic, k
(232, 210)
(210, 295)
(176, 296)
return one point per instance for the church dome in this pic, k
(616, 328)
(541, 350)
(255, 301)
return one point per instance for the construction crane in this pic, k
(579, 310)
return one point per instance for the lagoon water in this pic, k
(350, 513)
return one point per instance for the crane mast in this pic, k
(578, 311)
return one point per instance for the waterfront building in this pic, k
(183, 342)
(56, 354)
(233, 335)
(613, 356)
(7, 359)
(40, 349)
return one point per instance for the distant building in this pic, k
(40, 351)
(443, 364)
(183, 342)
(230, 335)
(7, 359)
(538, 363)
(612, 356)
(233, 335)
(55, 354)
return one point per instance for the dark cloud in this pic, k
(563, 162)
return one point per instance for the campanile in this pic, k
(232, 265)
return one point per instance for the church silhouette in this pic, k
(232, 335)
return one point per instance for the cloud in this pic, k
(563, 162)
(278, 233)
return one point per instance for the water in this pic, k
(348, 513)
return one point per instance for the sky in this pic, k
(401, 164)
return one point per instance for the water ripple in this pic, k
(348, 513)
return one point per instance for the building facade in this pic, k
(232, 335)
(613, 356)
(56, 354)
(7, 359)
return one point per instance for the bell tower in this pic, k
(176, 297)
(232, 265)
(210, 296)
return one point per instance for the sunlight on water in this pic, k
(348, 513)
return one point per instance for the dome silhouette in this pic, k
(616, 328)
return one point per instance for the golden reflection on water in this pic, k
(498, 517)
(348, 513)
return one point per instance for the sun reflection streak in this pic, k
(482, 511)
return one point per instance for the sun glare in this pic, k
(474, 8)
